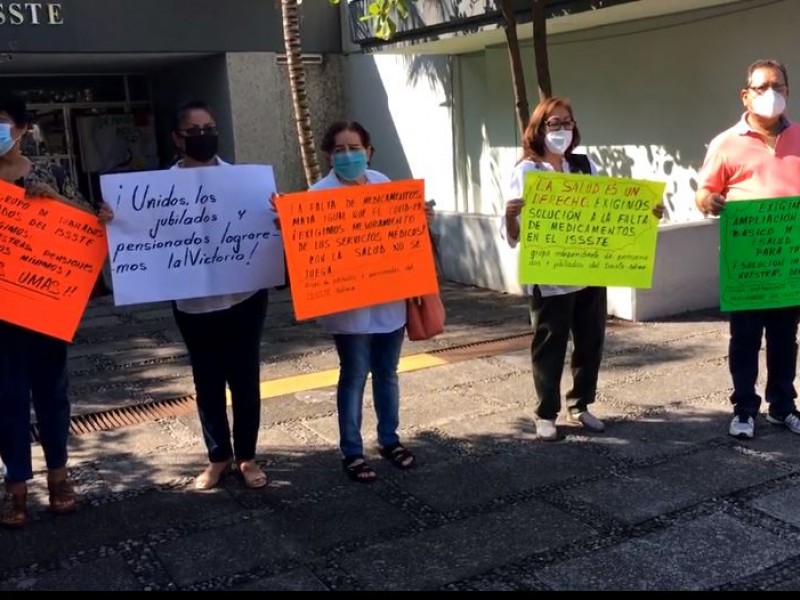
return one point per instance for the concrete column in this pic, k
(261, 110)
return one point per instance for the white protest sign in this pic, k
(192, 233)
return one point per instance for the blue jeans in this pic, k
(360, 355)
(32, 367)
(747, 328)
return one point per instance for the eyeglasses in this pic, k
(196, 131)
(760, 89)
(556, 124)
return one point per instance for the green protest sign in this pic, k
(759, 263)
(588, 230)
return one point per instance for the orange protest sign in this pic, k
(50, 256)
(356, 246)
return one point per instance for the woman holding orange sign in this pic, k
(368, 340)
(33, 366)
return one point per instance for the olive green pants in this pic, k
(582, 315)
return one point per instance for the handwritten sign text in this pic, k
(50, 257)
(588, 230)
(192, 233)
(357, 246)
(760, 254)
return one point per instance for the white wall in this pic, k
(469, 73)
(471, 251)
(649, 95)
(405, 102)
(676, 289)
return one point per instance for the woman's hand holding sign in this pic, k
(105, 214)
(658, 211)
(272, 199)
(42, 190)
(513, 210)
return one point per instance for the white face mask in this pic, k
(769, 105)
(557, 142)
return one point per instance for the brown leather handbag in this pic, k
(425, 317)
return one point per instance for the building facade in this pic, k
(651, 81)
(103, 78)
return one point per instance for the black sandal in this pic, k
(399, 456)
(358, 470)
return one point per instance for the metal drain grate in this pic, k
(126, 416)
(475, 350)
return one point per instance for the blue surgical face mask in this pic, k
(7, 142)
(350, 165)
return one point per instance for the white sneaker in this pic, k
(791, 421)
(588, 420)
(546, 430)
(742, 427)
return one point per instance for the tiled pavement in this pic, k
(664, 500)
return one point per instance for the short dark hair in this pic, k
(329, 139)
(767, 63)
(184, 109)
(14, 106)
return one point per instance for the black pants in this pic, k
(747, 329)
(224, 348)
(583, 315)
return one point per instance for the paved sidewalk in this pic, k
(663, 500)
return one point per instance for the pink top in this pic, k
(741, 166)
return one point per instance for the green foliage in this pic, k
(385, 14)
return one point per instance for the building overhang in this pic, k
(464, 26)
(161, 26)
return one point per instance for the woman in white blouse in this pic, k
(368, 340)
(558, 312)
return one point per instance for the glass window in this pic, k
(56, 89)
(138, 88)
(50, 139)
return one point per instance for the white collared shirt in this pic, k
(380, 318)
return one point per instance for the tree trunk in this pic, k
(297, 84)
(540, 49)
(517, 74)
